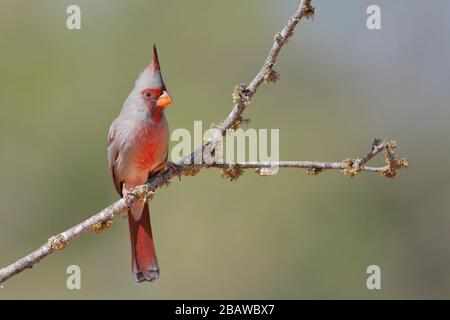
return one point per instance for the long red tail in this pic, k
(144, 262)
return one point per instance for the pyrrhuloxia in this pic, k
(137, 148)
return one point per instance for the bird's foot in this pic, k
(178, 169)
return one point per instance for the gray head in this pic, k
(150, 85)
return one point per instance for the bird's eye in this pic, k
(148, 94)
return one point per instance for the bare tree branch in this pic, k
(58, 242)
(193, 163)
(349, 167)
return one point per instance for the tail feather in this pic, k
(144, 262)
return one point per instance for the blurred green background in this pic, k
(288, 236)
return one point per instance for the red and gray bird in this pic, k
(137, 148)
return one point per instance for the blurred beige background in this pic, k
(289, 236)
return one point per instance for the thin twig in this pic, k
(295, 164)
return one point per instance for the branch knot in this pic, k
(232, 172)
(392, 160)
(101, 226)
(271, 76)
(191, 170)
(241, 95)
(142, 193)
(313, 171)
(308, 10)
(278, 38)
(57, 242)
(351, 167)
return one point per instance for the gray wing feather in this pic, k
(113, 154)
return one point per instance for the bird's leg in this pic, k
(168, 165)
(125, 197)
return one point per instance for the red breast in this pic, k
(151, 144)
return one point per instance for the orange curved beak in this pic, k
(164, 100)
